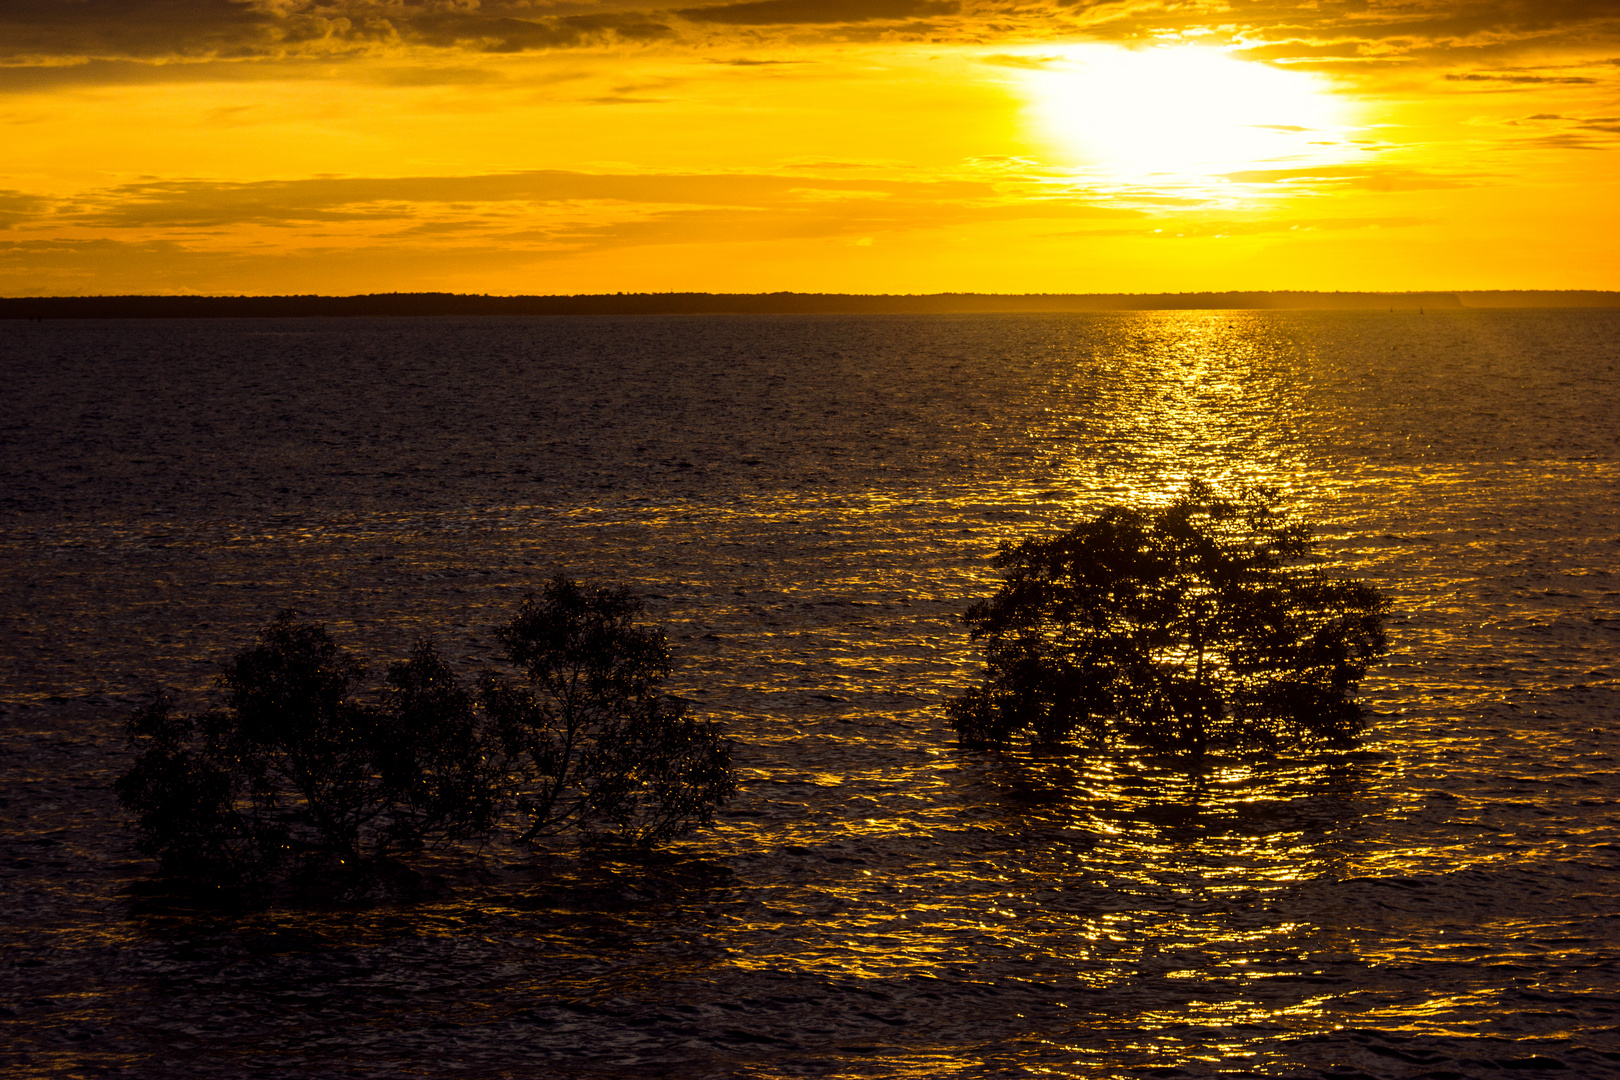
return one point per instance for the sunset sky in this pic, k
(507, 146)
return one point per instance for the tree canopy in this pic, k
(301, 762)
(1200, 624)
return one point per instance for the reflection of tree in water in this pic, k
(1154, 896)
(1298, 802)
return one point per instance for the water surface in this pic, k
(806, 503)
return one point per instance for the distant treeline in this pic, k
(777, 303)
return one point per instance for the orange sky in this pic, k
(507, 146)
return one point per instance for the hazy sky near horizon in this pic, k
(517, 146)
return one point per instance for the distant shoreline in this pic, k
(777, 303)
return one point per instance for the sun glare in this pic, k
(1183, 111)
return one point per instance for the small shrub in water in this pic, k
(1197, 625)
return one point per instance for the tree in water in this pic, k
(299, 766)
(592, 744)
(296, 767)
(1198, 625)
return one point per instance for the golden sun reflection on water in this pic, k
(1208, 400)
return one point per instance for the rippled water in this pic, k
(807, 503)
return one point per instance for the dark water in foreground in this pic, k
(806, 503)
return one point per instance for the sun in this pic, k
(1183, 111)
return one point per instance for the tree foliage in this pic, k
(1196, 625)
(595, 746)
(302, 761)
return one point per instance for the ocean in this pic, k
(806, 504)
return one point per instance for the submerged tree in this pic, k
(297, 764)
(1197, 625)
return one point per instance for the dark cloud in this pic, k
(1296, 49)
(434, 75)
(168, 30)
(31, 78)
(1578, 133)
(133, 28)
(624, 99)
(1347, 33)
(17, 206)
(777, 12)
(483, 33)
(1568, 140)
(1574, 80)
(1428, 31)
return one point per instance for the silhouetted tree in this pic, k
(296, 765)
(1196, 625)
(437, 756)
(192, 810)
(593, 744)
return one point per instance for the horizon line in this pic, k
(199, 305)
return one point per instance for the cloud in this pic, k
(197, 235)
(1568, 140)
(194, 204)
(1359, 32)
(106, 267)
(18, 206)
(34, 78)
(145, 29)
(1219, 230)
(1583, 123)
(1361, 177)
(1579, 133)
(1032, 63)
(779, 12)
(540, 212)
(48, 31)
(484, 33)
(1571, 80)
(1297, 49)
(1343, 34)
